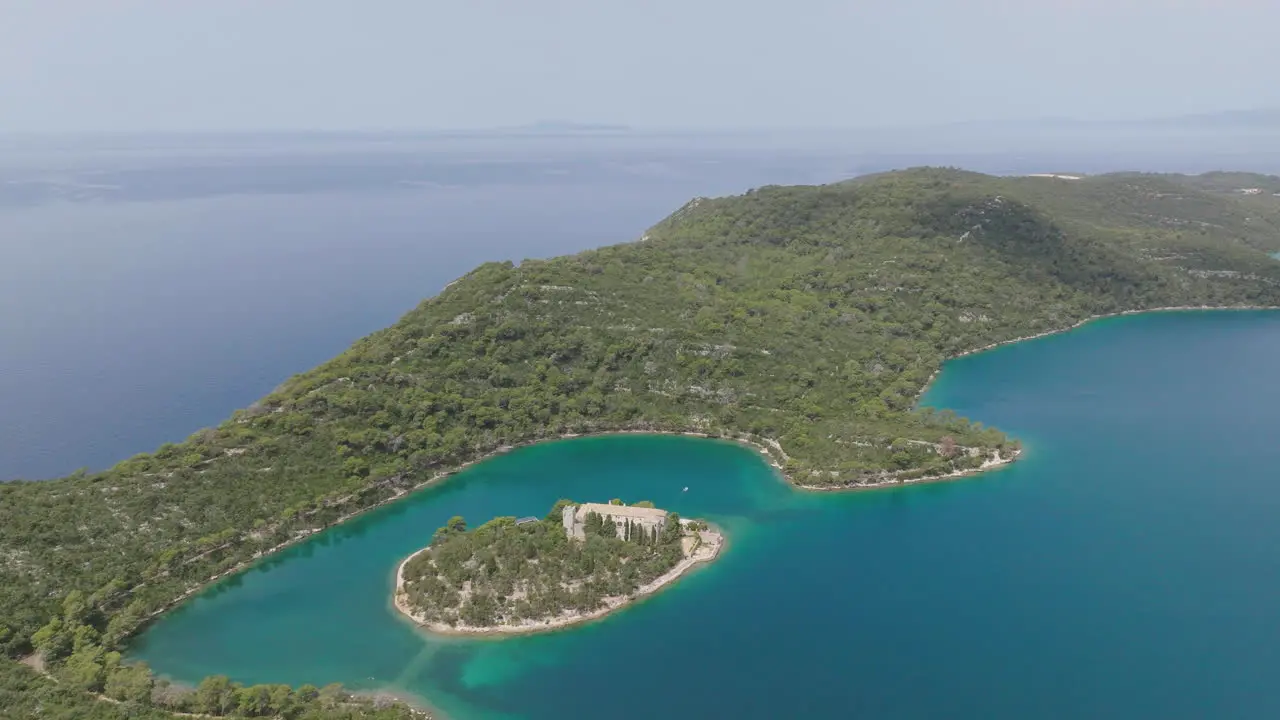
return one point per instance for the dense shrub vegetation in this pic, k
(78, 691)
(810, 317)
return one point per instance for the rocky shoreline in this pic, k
(988, 465)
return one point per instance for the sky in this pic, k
(243, 65)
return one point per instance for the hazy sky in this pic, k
(125, 65)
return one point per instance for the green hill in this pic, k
(806, 318)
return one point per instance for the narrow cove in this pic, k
(1122, 567)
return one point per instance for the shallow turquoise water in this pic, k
(1126, 567)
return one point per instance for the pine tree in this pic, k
(671, 530)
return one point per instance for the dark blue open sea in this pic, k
(146, 293)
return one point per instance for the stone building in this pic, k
(575, 517)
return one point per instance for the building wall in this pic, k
(572, 528)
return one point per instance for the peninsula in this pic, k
(806, 320)
(580, 562)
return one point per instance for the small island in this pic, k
(582, 561)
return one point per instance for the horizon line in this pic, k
(549, 128)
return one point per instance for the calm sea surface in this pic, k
(1125, 568)
(142, 299)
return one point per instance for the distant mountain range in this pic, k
(1259, 118)
(562, 126)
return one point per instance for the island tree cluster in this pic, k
(810, 317)
(501, 573)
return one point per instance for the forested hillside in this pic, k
(806, 318)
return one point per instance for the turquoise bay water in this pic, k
(1126, 567)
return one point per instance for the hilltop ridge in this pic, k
(807, 320)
